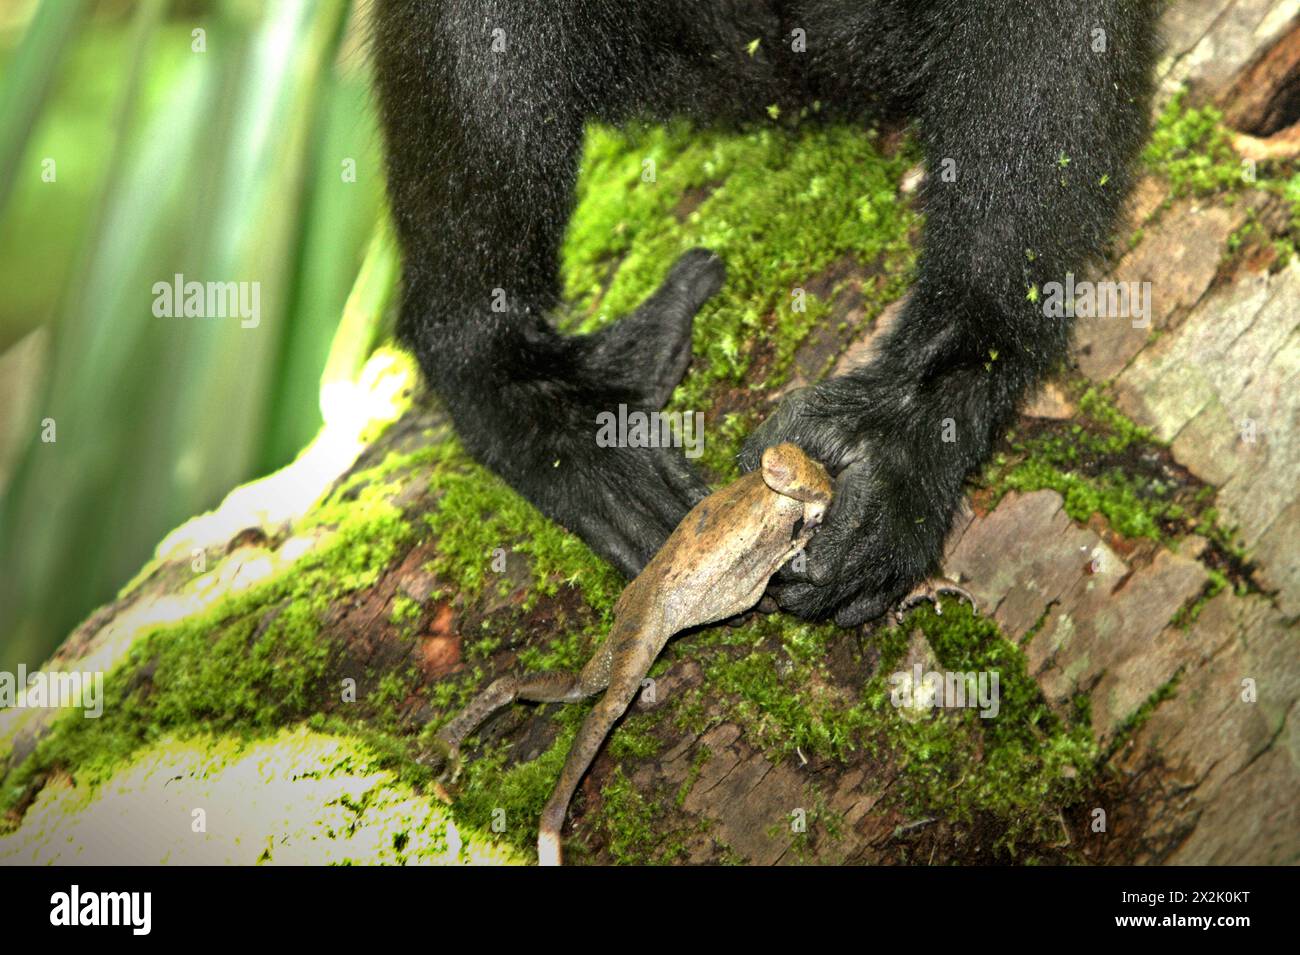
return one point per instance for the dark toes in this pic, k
(865, 608)
(697, 275)
(802, 600)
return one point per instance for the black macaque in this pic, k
(1030, 114)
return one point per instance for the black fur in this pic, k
(483, 149)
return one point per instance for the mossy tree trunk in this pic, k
(1133, 548)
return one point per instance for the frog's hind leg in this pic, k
(586, 744)
(559, 687)
(553, 687)
(929, 591)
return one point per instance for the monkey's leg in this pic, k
(1030, 115)
(483, 104)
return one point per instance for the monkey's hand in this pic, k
(543, 431)
(897, 485)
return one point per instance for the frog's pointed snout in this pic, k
(813, 515)
(806, 526)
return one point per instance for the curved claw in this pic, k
(931, 590)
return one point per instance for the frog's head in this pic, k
(787, 470)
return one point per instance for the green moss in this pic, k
(702, 756)
(1102, 463)
(1113, 495)
(390, 749)
(1089, 463)
(690, 713)
(494, 788)
(1187, 615)
(1285, 250)
(633, 825)
(482, 648)
(771, 673)
(1250, 229)
(1193, 150)
(453, 694)
(395, 687)
(569, 649)
(303, 797)
(635, 738)
(1017, 769)
(1013, 772)
(819, 825)
(770, 203)
(1210, 523)
(1284, 246)
(727, 435)
(492, 792)
(1120, 431)
(1291, 193)
(478, 515)
(1130, 727)
(782, 713)
(405, 615)
(248, 663)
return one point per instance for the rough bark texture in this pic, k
(1182, 647)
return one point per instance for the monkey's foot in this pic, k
(650, 349)
(931, 590)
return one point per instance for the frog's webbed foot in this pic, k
(930, 591)
(442, 755)
(548, 846)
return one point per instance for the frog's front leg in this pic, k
(929, 591)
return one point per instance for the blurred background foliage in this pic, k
(140, 139)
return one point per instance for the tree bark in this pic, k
(1191, 684)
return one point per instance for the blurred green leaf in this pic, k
(28, 82)
(222, 165)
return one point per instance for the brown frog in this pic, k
(715, 565)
